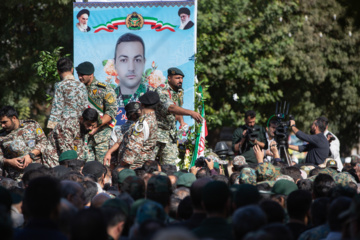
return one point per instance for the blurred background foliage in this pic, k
(305, 52)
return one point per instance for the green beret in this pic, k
(149, 98)
(283, 187)
(175, 71)
(186, 180)
(178, 174)
(159, 184)
(117, 204)
(86, 68)
(124, 174)
(68, 155)
(150, 210)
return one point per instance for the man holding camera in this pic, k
(318, 145)
(247, 136)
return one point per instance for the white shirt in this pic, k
(335, 150)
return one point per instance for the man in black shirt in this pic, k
(247, 136)
(317, 147)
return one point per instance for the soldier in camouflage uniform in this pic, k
(133, 113)
(168, 111)
(72, 134)
(101, 98)
(139, 142)
(21, 143)
(70, 98)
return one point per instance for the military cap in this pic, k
(271, 183)
(132, 107)
(175, 71)
(186, 180)
(344, 178)
(184, 10)
(247, 175)
(266, 171)
(159, 173)
(239, 160)
(283, 187)
(150, 210)
(286, 177)
(68, 155)
(117, 204)
(331, 164)
(330, 171)
(159, 184)
(215, 158)
(124, 174)
(178, 174)
(149, 98)
(86, 68)
(216, 165)
(82, 12)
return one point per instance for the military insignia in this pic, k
(94, 91)
(134, 21)
(110, 98)
(75, 148)
(31, 143)
(101, 85)
(172, 72)
(39, 131)
(21, 125)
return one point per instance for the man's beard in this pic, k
(182, 25)
(83, 26)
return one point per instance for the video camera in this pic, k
(252, 133)
(200, 162)
(281, 132)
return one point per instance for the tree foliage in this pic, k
(305, 52)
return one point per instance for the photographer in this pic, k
(270, 137)
(203, 164)
(247, 136)
(318, 145)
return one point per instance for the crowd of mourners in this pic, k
(78, 200)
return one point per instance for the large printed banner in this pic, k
(133, 43)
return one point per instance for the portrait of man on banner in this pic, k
(129, 62)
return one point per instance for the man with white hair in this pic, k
(185, 22)
(83, 17)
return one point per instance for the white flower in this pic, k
(196, 80)
(350, 33)
(280, 19)
(320, 34)
(235, 97)
(306, 18)
(334, 16)
(290, 34)
(249, 19)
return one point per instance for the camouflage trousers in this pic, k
(99, 144)
(170, 153)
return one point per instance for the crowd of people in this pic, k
(86, 180)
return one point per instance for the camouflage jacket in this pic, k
(118, 132)
(20, 142)
(102, 98)
(168, 96)
(66, 136)
(70, 100)
(139, 142)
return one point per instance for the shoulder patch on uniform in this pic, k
(39, 131)
(100, 84)
(110, 98)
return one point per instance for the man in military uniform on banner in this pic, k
(168, 111)
(138, 143)
(70, 98)
(21, 143)
(72, 134)
(101, 98)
